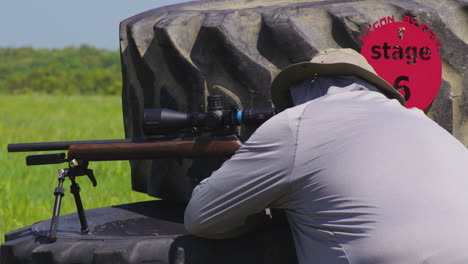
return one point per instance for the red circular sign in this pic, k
(407, 57)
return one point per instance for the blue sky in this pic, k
(60, 23)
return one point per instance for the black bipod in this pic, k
(76, 168)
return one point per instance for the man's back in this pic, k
(377, 183)
(361, 179)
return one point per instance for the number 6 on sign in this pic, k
(406, 91)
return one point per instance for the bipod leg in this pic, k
(75, 190)
(59, 193)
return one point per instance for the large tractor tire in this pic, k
(173, 57)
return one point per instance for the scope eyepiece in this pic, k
(252, 116)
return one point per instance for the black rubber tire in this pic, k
(145, 232)
(175, 56)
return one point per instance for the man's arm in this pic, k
(232, 201)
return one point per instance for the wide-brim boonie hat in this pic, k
(328, 62)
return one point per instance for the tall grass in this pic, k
(26, 193)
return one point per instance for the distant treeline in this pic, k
(71, 70)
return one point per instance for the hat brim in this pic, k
(307, 70)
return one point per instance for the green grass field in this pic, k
(26, 192)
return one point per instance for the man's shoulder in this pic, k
(348, 102)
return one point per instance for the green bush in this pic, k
(72, 70)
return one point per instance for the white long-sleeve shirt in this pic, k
(361, 179)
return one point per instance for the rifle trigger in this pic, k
(91, 177)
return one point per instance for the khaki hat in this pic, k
(328, 62)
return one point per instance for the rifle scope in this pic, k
(163, 121)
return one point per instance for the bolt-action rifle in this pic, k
(169, 133)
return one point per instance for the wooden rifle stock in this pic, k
(153, 150)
